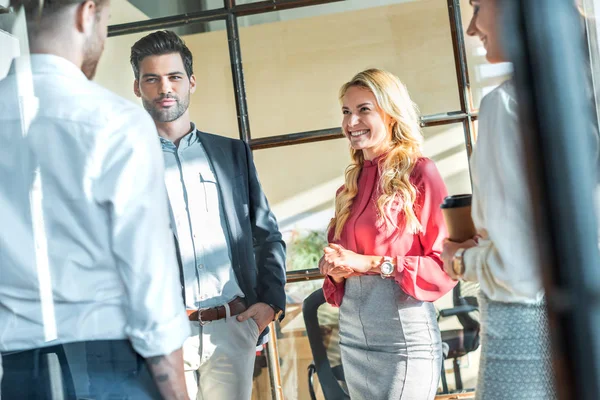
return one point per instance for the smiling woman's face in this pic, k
(484, 24)
(365, 123)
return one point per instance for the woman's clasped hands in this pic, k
(341, 263)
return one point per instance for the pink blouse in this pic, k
(419, 270)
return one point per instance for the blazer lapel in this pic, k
(222, 165)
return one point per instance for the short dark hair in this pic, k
(158, 44)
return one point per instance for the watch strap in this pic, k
(278, 312)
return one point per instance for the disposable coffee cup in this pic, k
(457, 214)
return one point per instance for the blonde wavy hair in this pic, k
(404, 151)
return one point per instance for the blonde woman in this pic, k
(387, 224)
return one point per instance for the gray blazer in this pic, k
(257, 248)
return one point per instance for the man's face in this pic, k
(164, 87)
(94, 44)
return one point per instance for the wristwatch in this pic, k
(458, 264)
(278, 312)
(387, 268)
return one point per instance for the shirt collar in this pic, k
(49, 64)
(192, 137)
(189, 139)
(375, 161)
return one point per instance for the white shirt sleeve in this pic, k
(132, 188)
(505, 263)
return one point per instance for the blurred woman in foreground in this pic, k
(515, 357)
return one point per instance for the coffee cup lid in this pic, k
(457, 200)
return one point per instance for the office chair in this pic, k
(459, 342)
(329, 377)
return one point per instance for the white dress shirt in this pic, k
(505, 262)
(86, 252)
(198, 220)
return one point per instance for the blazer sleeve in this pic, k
(423, 276)
(269, 247)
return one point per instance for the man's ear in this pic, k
(192, 83)
(85, 17)
(136, 88)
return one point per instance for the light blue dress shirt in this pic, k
(198, 220)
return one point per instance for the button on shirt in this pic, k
(198, 220)
(86, 252)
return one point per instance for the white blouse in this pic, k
(505, 262)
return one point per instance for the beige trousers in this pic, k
(219, 359)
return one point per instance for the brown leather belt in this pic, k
(206, 315)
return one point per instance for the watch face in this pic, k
(387, 268)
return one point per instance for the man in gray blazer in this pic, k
(231, 254)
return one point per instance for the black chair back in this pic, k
(465, 294)
(328, 377)
(459, 342)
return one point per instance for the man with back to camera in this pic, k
(231, 253)
(87, 262)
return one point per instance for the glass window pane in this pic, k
(445, 145)
(294, 68)
(124, 11)
(300, 182)
(212, 106)
(214, 4)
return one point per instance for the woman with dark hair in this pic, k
(515, 357)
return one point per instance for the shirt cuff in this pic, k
(163, 339)
(337, 285)
(471, 263)
(400, 265)
(333, 291)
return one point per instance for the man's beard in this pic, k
(92, 52)
(170, 114)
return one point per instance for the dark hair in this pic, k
(158, 44)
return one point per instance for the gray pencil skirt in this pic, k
(390, 342)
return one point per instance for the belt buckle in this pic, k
(202, 323)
